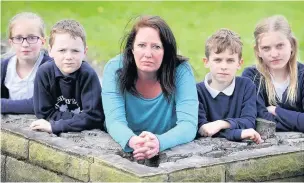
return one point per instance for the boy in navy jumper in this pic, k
(227, 104)
(67, 91)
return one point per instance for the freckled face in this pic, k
(223, 66)
(68, 53)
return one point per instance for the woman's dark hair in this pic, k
(127, 75)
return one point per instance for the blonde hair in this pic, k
(27, 15)
(72, 27)
(222, 40)
(277, 23)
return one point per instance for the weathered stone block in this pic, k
(14, 145)
(19, 171)
(3, 161)
(289, 135)
(265, 128)
(101, 172)
(205, 174)
(94, 153)
(59, 161)
(267, 168)
(289, 179)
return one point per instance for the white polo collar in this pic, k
(213, 92)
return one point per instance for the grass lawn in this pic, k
(191, 22)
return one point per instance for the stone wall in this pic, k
(93, 156)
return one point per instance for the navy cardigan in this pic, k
(9, 106)
(289, 117)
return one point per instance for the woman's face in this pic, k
(148, 50)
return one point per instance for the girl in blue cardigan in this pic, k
(278, 76)
(26, 37)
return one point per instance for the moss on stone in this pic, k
(15, 145)
(20, 171)
(206, 174)
(267, 168)
(59, 161)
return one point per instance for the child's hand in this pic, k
(41, 125)
(252, 135)
(271, 109)
(209, 129)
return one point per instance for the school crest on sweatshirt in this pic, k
(67, 105)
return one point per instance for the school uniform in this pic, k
(236, 104)
(289, 117)
(70, 103)
(17, 93)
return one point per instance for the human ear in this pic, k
(50, 50)
(85, 50)
(256, 50)
(10, 42)
(240, 64)
(42, 40)
(206, 62)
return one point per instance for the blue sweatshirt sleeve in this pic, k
(186, 110)
(248, 111)
(231, 134)
(24, 106)
(293, 120)
(286, 120)
(91, 115)
(202, 117)
(4, 90)
(9, 106)
(114, 106)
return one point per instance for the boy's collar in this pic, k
(58, 73)
(213, 92)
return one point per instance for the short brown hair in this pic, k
(71, 27)
(224, 39)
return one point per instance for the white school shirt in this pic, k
(280, 87)
(228, 91)
(20, 88)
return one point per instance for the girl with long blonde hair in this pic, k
(278, 76)
(26, 36)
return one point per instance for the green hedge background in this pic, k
(191, 22)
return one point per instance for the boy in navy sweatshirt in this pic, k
(67, 91)
(227, 104)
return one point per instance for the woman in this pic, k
(149, 92)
